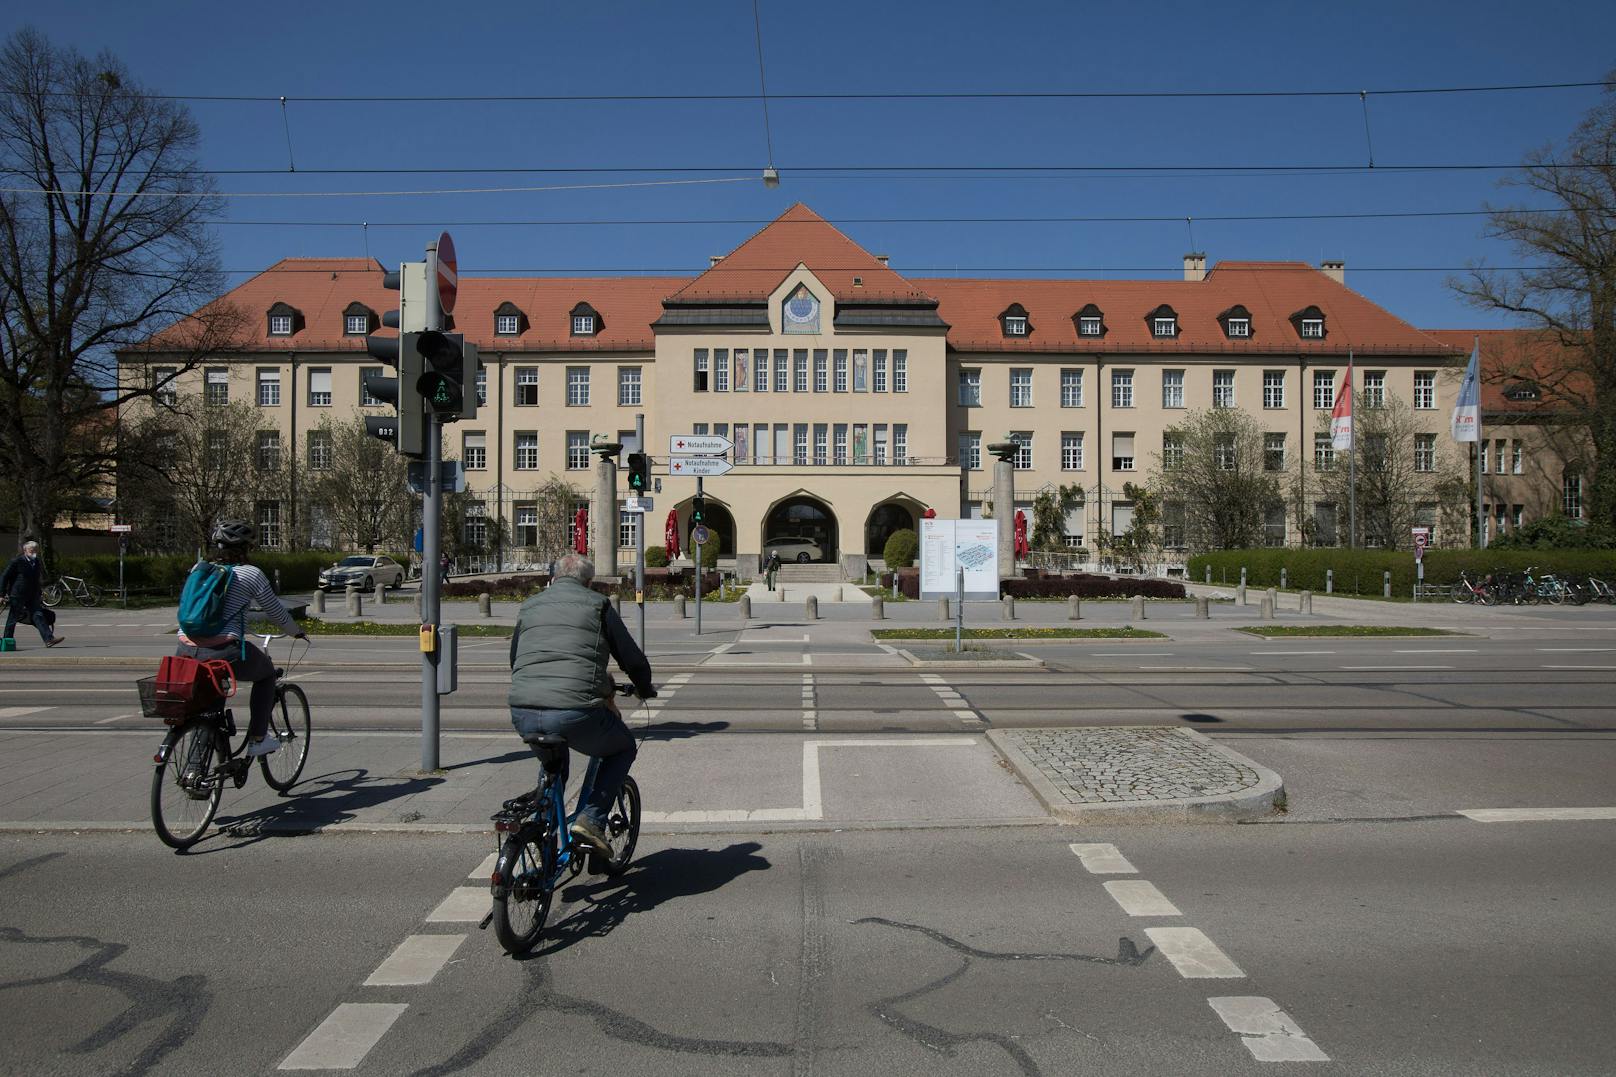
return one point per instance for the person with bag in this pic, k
(213, 622)
(21, 583)
(772, 569)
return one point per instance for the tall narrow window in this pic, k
(1273, 452)
(1273, 389)
(782, 370)
(482, 386)
(1323, 390)
(1072, 450)
(527, 386)
(474, 451)
(840, 445)
(970, 388)
(900, 443)
(1223, 388)
(821, 370)
(577, 450)
(1172, 454)
(628, 386)
(216, 386)
(320, 450)
(1121, 452)
(840, 355)
(970, 450)
(1071, 382)
(799, 370)
(799, 443)
(628, 529)
(527, 451)
(1424, 452)
(164, 389)
(320, 388)
(1172, 388)
(878, 376)
(700, 381)
(720, 370)
(1023, 458)
(1425, 390)
(1223, 452)
(269, 525)
(366, 400)
(526, 520)
(577, 386)
(881, 444)
(269, 388)
(760, 365)
(1374, 388)
(269, 450)
(1021, 387)
(1122, 388)
(821, 444)
(900, 371)
(1516, 458)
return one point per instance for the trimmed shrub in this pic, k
(656, 557)
(503, 588)
(901, 549)
(1557, 533)
(1090, 586)
(164, 574)
(1359, 572)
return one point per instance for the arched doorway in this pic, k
(720, 523)
(801, 517)
(884, 519)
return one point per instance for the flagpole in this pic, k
(1352, 464)
(1481, 512)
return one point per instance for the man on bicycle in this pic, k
(234, 540)
(560, 684)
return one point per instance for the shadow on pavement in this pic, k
(680, 730)
(322, 801)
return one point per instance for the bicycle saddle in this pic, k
(546, 740)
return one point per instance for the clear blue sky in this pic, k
(708, 47)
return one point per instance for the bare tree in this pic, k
(1212, 486)
(1569, 294)
(355, 489)
(103, 244)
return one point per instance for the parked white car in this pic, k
(362, 571)
(793, 548)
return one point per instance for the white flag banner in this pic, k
(1467, 411)
(1341, 417)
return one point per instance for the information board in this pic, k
(949, 545)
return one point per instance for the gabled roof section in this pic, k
(1526, 358)
(799, 236)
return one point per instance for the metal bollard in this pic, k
(1284, 579)
(1386, 584)
(356, 604)
(1240, 593)
(841, 593)
(878, 608)
(942, 609)
(746, 607)
(679, 606)
(1138, 611)
(1007, 607)
(1242, 576)
(380, 594)
(1208, 573)
(485, 604)
(1305, 603)
(780, 593)
(319, 600)
(1329, 581)
(1266, 609)
(810, 607)
(1203, 608)
(1074, 611)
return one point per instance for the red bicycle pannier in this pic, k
(196, 684)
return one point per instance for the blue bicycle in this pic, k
(536, 853)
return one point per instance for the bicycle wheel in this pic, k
(185, 791)
(526, 868)
(51, 594)
(92, 596)
(289, 721)
(623, 832)
(1462, 594)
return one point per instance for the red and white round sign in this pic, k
(448, 274)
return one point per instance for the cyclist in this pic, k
(234, 540)
(560, 684)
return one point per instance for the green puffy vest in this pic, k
(561, 653)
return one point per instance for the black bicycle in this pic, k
(199, 756)
(536, 851)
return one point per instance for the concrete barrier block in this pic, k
(878, 608)
(1137, 610)
(1203, 608)
(1007, 608)
(319, 601)
(1074, 609)
(1273, 597)
(356, 602)
(679, 606)
(942, 609)
(1240, 593)
(1265, 608)
(1304, 603)
(810, 607)
(746, 607)
(485, 604)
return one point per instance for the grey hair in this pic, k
(30, 545)
(575, 565)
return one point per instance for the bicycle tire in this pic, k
(623, 826)
(1462, 594)
(51, 594)
(526, 868)
(179, 815)
(92, 596)
(289, 721)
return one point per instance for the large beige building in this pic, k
(856, 398)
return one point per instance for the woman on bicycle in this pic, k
(234, 540)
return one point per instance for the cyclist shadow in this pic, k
(313, 804)
(679, 730)
(650, 881)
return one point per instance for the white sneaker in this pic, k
(270, 743)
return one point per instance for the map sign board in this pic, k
(949, 545)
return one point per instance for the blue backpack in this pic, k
(202, 599)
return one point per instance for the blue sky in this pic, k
(305, 49)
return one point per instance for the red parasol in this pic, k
(1022, 545)
(670, 534)
(580, 530)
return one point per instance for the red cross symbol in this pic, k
(680, 444)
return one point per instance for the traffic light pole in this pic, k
(699, 580)
(431, 545)
(639, 537)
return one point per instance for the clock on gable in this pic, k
(800, 313)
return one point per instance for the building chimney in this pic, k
(882, 258)
(1195, 266)
(1335, 269)
(714, 259)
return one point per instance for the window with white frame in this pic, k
(799, 444)
(720, 370)
(475, 525)
(1274, 525)
(1021, 387)
(1424, 452)
(366, 400)
(577, 450)
(1223, 388)
(799, 370)
(839, 444)
(1122, 452)
(900, 370)
(1224, 455)
(525, 521)
(527, 452)
(1517, 458)
(970, 388)
(878, 373)
(1273, 389)
(1164, 326)
(356, 325)
(1023, 457)
(821, 370)
(583, 325)
(280, 325)
(700, 383)
(577, 386)
(1090, 325)
(1374, 388)
(970, 450)
(1501, 454)
(474, 450)
(269, 388)
(1273, 452)
(1071, 388)
(319, 450)
(1172, 454)
(269, 450)
(782, 370)
(269, 525)
(1122, 388)
(821, 444)
(900, 443)
(1172, 388)
(1313, 328)
(1481, 451)
(882, 445)
(216, 386)
(163, 387)
(1238, 328)
(628, 386)
(1323, 390)
(760, 369)
(628, 529)
(1571, 495)
(1015, 325)
(1072, 450)
(1425, 390)
(840, 356)
(481, 382)
(527, 386)
(507, 325)
(320, 387)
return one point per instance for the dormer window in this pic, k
(1522, 391)
(1236, 322)
(1309, 323)
(508, 320)
(585, 321)
(1090, 322)
(1163, 323)
(357, 320)
(283, 320)
(1013, 320)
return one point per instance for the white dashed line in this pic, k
(18, 712)
(1536, 815)
(1569, 650)
(1103, 859)
(1390, 669)
(1438, 650)
(115, 718)
(1267, 1031)
(464, 903)
(1140, 898)
(486, 868)
(345, 1036)
(1579, 667)
(1195, 956)
(1265, 653)
(417, 959)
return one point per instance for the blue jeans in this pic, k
(596, 732)
(249, 664)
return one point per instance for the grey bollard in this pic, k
(679, 606)
(1074, 611)
(319, 601)
(356, 604)
(780, 593)
(1138, 608)
(1305, 603)
(1240, 594)
(810, 607)
(1266, 609)
(942, 609)
(878, 608)
(746, 607)
(840, 593)
(1007, 608)
(1284, 579)
(485, 604)
(1242, 576)
(1386, 584)
(380, 594)
(1208, 573)
(1203, 608)
(1273, 598)
(1329, 581)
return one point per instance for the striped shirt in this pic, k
(249, 585)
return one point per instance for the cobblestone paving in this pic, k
(1125, 765)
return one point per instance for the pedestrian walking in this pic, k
(443, 567)
(22, 582)
(773, 567)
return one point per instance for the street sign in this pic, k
(699, 445)
(700, 535)
(122, 528)
(705, 466)
(1422, 539)
(638, 504)
(448, 274)
(451, 474)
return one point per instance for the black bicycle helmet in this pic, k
(234, 535)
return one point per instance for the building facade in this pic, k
(857, 398)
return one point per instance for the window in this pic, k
(1273, 455)
(1015, 325)
(577, 450)
(319, 450)
(879, 376)
(1274, 525)
(1164, 326)
(821, 444)
(1374, 388)
(1273, 389)
(269, 450)
(280, 325)
(1500, 449)
(1122, 388)
(474, 451)
(760, 443)
(970, 388)
(1571, 495)
(900, 443)
(1072, 450)
(1021, 388)
(1237, 328)
(1481, 449)
(782, 443)
(700, 385)
(356, 325)
(880, 458)
(213, 448)
(970, 451)
(861, 370)
(577, 386)
(1424, 452)
(900, 370)
(320, 387)
(1312, 328)
(1172, 451)
(1173, 524)
(1121, 452)
(527, 386)
(1071, 382)
(1516, 458)
(526, 530)
(782, 371)
(216, 386)
(628, 529)
(527, 455)
(720, 370)
(799, 370)
(1324, 517)
(1324, 390)
(269, 525)
(1223, 388)
(475, 524)
(507, 325)
(1425, 390)
(742, 380)
(482, 385)
(841, 369)
(1223, 452)
(163, 384)
(269, 388)
(583, 325)
(1375, 456)
(840, 444)
(1090, 325)
(1323, 452)
(760, 366)
(1023, 458)
(821, 376)
(799, 444)
(1172, 388)
(628, 386)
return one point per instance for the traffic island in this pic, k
(969, 658)
(892, 635)
(1342, 631)
(1139, 774)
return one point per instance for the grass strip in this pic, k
(1016, 633)
(316, 627)
(1299, 631)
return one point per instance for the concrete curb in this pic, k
(1260, 802)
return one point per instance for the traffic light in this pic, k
(639, 472)
(698, 510)
(405, 430)
(449, 368)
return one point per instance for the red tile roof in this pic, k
(1511, 357)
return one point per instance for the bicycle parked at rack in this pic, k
(536, 851)
(87, 594)
(197, 757)
(1471, 590)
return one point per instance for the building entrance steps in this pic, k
(848, 593)
(809, 572)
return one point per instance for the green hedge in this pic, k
(164, 574)
(1360, 571)
(901, 549)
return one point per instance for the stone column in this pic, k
(603, 508)
(1004, 503)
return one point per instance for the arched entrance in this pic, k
(801, 517)
(719, 522)
(884, 519)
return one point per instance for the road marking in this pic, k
(1132, 654)
(117, 717)
(486, 868)
(1566, 650)
(721, 648)
(1267, 1031)
(23, 690)
(417, 959)
(18, 712)
(312, 673)
(1195, 956)
(1439, 650)
(1289, 652)
(1534, 815)
(1140, 898)
(463, 903)
(1195, 669)
(807, 659)
(345, 1036)
(1102, 858)
(1388, 669)
(932, 678)
(888, 648)
(1579, 667)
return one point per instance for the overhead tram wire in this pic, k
(1286, 266)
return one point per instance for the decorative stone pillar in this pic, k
(603, 508)
(1004, 502)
